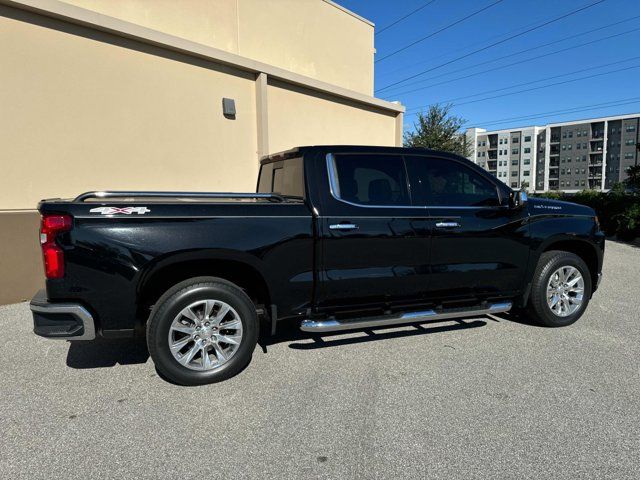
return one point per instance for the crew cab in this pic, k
(335, 237)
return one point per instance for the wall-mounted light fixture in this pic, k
(229, 108)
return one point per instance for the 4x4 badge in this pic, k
(120, 210)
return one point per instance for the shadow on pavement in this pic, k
(289, 332)
(107, 353)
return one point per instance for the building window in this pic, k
(584, 158)
(564, 134)
(569, 147)
(568, 171)
(577, 183)
(613, 129)
(584, 133)
(570, 134)
(578, 133)
(584, 170)
(527, 138)
(514, 184)
(527, 161)
(630, 141)
(628, 155)
(562, 183)
(582, 183)
(514, 162)
(564, 147)
(631, 128)
(577, 146)
(527, 150)
(562, 171)
(526, 173)
(515, 140)
(479, 154)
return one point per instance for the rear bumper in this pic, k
(67, 321)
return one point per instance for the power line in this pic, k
(540, 87)
(414, 64)
(406, 16)
(541, 79)
(518, 53)
(446, 27)
(595, 106)
(493, 44)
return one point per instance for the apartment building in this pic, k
(571, 156)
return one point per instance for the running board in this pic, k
(320, 326)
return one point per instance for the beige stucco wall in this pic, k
(300, 117)
(80, 114)
(21, 271)
(81, 109)
(310, 37)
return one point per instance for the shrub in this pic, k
(628, 222)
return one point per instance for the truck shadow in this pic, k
(288, 332)
(107, 353)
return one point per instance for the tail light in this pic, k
(53, 255)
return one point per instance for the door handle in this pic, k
(343, 226)
(447, 225)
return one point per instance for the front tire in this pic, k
(561, 289)
(202, 330)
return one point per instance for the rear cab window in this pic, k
(285, 177)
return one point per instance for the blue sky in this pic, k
(509, 17)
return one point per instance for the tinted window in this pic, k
(285, 177)
(370, 179)
(442, 182)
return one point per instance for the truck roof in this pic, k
(350, 149)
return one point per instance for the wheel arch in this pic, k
(582, 248)
(233, 267)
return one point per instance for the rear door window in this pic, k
(370, 179)
(448, 183)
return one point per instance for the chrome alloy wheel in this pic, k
(205, 335)
(565, 290)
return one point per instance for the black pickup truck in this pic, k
(338, 237)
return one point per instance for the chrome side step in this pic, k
(320, 326)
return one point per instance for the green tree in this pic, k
(633, 178)
(437, 129)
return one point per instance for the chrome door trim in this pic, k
(334, 189)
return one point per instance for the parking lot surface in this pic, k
(490, 397)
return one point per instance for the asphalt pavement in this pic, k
(491, 397)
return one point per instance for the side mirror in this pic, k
(519, 199)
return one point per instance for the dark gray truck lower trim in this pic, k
(67, 321)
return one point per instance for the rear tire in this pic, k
(202, 330)
(561, 289)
